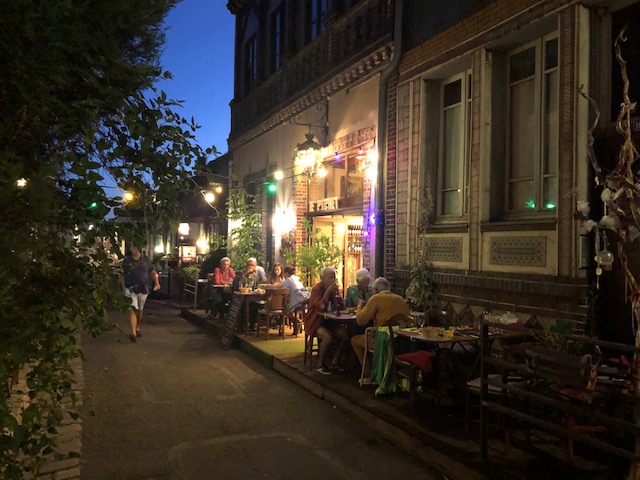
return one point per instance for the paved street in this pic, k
(175, 405)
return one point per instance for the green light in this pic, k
(93, 205)
(271, 187)
(531, 204)
(551, 205)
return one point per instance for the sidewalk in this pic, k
(435, 435)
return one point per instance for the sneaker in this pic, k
(338, 368)
(323, 370)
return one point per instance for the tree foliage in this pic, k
(81, 122)
(245, 235)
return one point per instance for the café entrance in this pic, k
(345, 231)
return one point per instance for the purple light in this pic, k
(337, 157)
(365, 233)
(372, 219)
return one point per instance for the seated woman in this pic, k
(298, 295)
(222, 275)
(360, 291)
(276, 276)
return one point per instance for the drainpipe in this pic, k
(383, 91)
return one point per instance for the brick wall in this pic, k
(559, 296)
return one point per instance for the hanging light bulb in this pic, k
(605, 257)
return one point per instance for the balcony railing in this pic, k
(347, 39)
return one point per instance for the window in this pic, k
(250, 63)
(532, 139)
(277, 38)
(315, 16)
(454, 146)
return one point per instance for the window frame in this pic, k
(541, 139)
(251, 62)
(464, 158)
(316, 11)
(278, 34)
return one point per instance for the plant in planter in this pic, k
(420, 292)
(320, 252)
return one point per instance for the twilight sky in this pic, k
(199, 53)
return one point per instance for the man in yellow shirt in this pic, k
(382, 305)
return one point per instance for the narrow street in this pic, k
(175, 405)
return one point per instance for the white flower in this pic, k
(606, 195)
(608, 222)
(590, 225)
(583, 207)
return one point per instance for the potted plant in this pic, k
(420, 292)
(318, 253)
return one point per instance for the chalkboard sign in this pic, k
(232, 320)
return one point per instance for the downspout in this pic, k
(383, 90)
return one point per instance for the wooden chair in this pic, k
(274, 309)
(311, 346)
(567, 377)
(407, 373)
(516, 354)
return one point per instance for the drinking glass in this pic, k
(420, 321)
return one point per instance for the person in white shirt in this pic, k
(298, 295)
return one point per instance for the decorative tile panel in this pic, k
(444, 249)
(518, 251)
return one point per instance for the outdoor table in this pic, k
(246, 298)
(346, 319)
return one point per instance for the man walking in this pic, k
(134, 283)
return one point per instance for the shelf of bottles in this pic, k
(354, 239)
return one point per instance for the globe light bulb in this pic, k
(605, 257)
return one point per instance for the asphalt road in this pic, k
(175, 405)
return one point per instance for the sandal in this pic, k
(138, 333)
(132, 338)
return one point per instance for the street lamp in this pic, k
(309, 158)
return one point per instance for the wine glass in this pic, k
(420, 320)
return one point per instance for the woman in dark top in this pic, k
(276, 275)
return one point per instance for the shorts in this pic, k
(137, 299)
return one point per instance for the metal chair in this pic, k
(394, 320)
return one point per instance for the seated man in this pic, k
(252, 276)
(321, 294)
(382, 305)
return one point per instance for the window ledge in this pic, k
(448, 228)
(519, 225)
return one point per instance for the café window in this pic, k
(532, 127)
(345, 176)
(454, 146)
